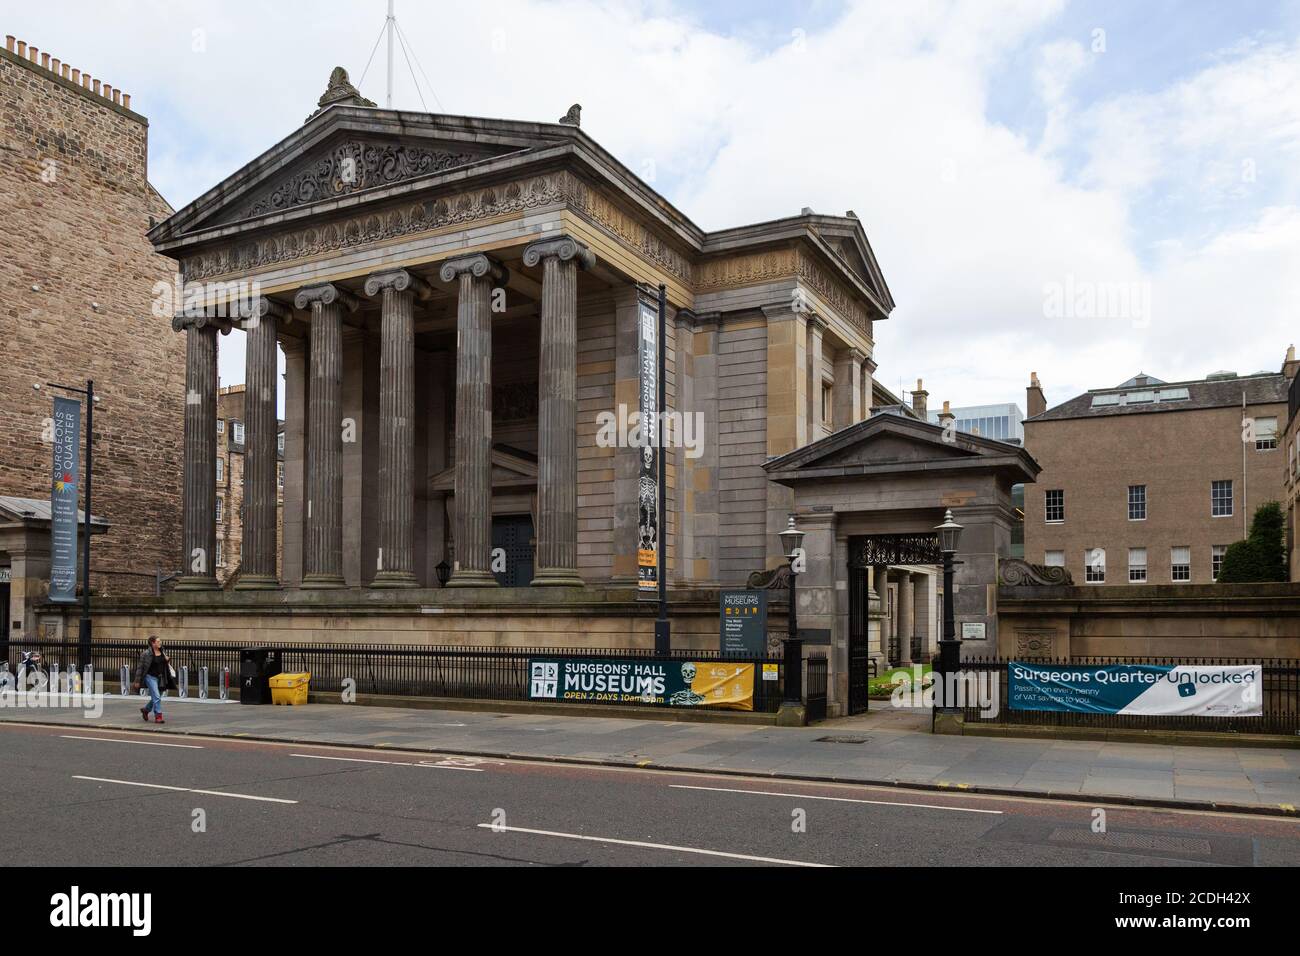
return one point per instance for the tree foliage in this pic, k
(1262, 555)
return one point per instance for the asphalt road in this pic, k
(77, 797)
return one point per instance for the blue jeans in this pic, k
(155, 698)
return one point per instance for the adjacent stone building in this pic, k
(230, 482)
(1149, 482)
(77, 284)
(1291, 484)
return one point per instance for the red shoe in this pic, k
(158, 719)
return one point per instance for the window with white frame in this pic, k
(279, 475)
(1217, 551)
(221, 426)
(1094, 566)
(1054, 559)
(1265, 434)
(1137, 502)
(221, 470)
(220, 507)
(221, 556)
(1137, 565)
(1180, 564)
(1221, 499)
(1054, 505)
(279, 443)
(237, 432)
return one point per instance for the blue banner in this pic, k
(1206, 690)
(64, 481)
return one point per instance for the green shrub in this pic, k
(1261, 556)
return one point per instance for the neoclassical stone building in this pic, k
(457, 300)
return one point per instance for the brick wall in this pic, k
(76, 288)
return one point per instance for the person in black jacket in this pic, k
(153, 670)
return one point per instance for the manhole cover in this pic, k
(842, 739)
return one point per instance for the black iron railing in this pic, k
(815, 687)
(478, 673)
(1280, 704)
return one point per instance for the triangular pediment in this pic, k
(350, 151)
(511, 468)
(889, 444)
(848, 243)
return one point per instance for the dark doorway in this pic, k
(4, 613)
(514, 535)
(859, 647)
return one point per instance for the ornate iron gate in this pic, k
(859, 647)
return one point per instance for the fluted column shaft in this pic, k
(557, 439)
(257, 561)
(323, 550)
(396, 553)
(476, 276)
(199, 526)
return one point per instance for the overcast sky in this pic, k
(998, 152)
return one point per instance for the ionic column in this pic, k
(323, 547)
(477, 273)
(199, 523)
(396, 555)
(557, 436)
(262, 374)
(906, 618)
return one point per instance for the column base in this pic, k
(257, 582)
(558, 578)
(472, 579)
(197, 583)
(323, 581)
(395, 579)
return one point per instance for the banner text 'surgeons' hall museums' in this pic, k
(457, 301)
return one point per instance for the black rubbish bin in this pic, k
(257, 665)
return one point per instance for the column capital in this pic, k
(478, 265)
(259, 307)
(817, 323)
(399, 280)
(869, 364)
(562, 247)
(326, 293)
(182, 322)
(850, 354)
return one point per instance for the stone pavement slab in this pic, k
(883, 748)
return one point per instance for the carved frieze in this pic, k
(1014, 572)
(353, 166)
(746, 269)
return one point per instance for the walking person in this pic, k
(153, 670)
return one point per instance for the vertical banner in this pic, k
(647, 555)
(63, 500)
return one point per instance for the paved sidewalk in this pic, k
(883, 747)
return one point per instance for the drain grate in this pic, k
(842, 739)
(1119, 840)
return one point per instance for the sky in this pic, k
(1083, 189)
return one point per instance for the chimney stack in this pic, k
(946, 415)
(918, 401)
(60, 69)
(1290, 366)
(1035, 400)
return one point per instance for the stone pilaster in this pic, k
(557, 438)
(199, 526)
(868, 371)
(262, 375)
(848, 388)
(476, 273)
(906, 615)
(816, 327)
(396, 556)
(323, 547)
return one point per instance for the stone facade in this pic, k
(1172, 449)
(77, 280)
(1291, 484)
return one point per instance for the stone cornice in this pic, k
(478, 265)
(563, 248)
(399, 280)
(326, 293)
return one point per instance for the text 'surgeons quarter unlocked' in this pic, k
(718, 684)
(1229, 690)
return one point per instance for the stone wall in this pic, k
(1218, 620)
(76, 289)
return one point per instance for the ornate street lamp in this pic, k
(949, 647)
(792, 544)
(443, 570)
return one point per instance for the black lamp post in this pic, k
(949, 647)
(792, 544)
(443, 570)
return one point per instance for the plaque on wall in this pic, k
(972, 630)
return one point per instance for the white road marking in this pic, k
(159, 786)
(808, 796)
(143, 743)
(649, 846)
(392, 763)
